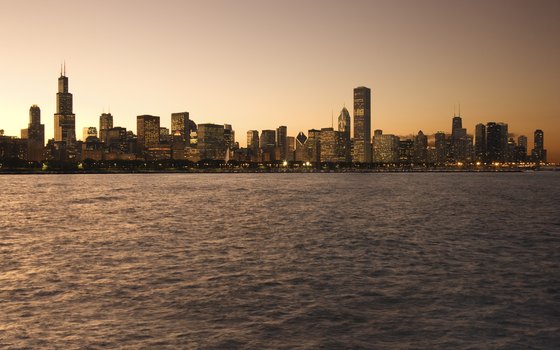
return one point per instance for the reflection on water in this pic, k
(291, 261)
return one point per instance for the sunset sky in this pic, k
(259, 64)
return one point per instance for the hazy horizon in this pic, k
(262, 64)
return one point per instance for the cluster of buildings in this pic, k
(186, 140)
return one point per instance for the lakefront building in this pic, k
(35, 134)
(148, 130)
(362, 125)
(64, 118)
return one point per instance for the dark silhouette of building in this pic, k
(253, 145)
(281, 142)
(301, 151)
(211, 142)
(480, 143)
(441, 148)
(521, 149)
(117, 140)
(64, 118)
(267, 144)
(105, 123)
(35, 135)
(459, 141)
(539, 153)
(496, 142)
(406, 151)
(420, 148)
(362, 125)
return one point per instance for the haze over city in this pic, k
(257, 65)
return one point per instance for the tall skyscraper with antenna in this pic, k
(64, 119)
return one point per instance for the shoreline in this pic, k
(261, 171)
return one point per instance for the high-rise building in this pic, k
(164, 135)
(496, 142)
(89, 131)
(117, 140)
(147, 129)
(480, 142)
(457, 123)
(281, 142)
(344, 128)
(406, 151)
(64, 118)
(211, 142)
(180, 126)
(441, 148)
(313, 145)
(362, 125)
(229, 137)
(290, 155)
(332, 146)
(105, 123)
(521, 149)
(35, 135)
(344, 122)
(522, 142)
(301, 149)
(420, 148)
(385, 147)
(253, 144)
(539, 153)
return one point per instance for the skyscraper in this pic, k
(147, 128)
(344, 122)
(480, 142)
(211, 142)
(362, 125)
(180, 126)
(539, 153)
(385, 147)
(105, 123)
(64, 119)
(441, 145)
(35, 135)
(253, 144)
(281, 142)
(89, 131)
(344, 128)
(496, 141)
(420, 148)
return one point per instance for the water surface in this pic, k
(280, 261)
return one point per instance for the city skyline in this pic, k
(307, 70)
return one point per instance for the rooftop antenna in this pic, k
(459, 109)
(454, 110)
(64, 67)
(60, 68)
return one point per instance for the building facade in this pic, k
(362, 125)
(64, 118)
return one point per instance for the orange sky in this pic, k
(260, 64)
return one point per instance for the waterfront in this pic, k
(448, 260)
